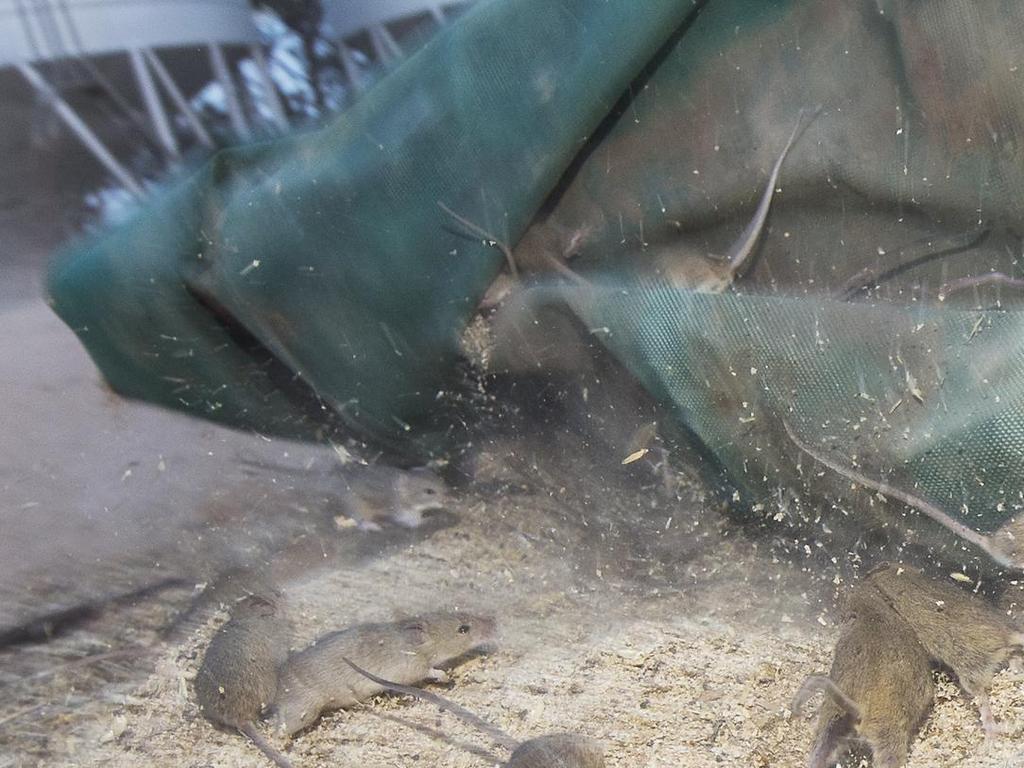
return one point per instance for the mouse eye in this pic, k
(463, 629)
(430, 491)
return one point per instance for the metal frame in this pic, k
(178, 98)
(80, 129)
(223, 74)
(351, 68)
(154, 104)
(56, 29)
(384, 45)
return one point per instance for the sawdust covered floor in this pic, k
(678, 648)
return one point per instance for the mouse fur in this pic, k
(238, 676)
(880, 687)
(316, 679)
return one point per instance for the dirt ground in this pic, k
(692, 666)
(671, 635)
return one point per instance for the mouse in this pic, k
(552, 750)
(379, 493)
(1008, 541)
(374, 493)
(238, 676)
(879, 689)
(717, 275)
(1001, 546)
(315, 679)
(222, 590)
(535, 251)
(958, 630)
(691, 272)
(558, 750)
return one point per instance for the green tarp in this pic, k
(321, 277)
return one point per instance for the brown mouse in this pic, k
(880, 686)
(379, 493)
(558, 750)
(317, 679)
(539, 244)
(957, 629)
(552, 750)
(238, 677)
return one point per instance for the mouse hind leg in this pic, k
(890, 747)
(833, 736)
(881, 758)
(989, 724)
(978, 690)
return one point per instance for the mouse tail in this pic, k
(833, 726)
(815, 683)
(739, 255)
(957, 528)
(249, 731)
(498, 735)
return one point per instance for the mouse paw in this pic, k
(408, 519)
(992, 728)
(438, 676)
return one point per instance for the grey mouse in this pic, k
(552, 750)
(879, 689)
(376, 493)
(379, 493)
(959, 630)
(317, 679)
(238, 676)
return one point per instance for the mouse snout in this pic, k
(422, 490)
(469, 631)
(432, 500)
(482, 629)
(436, 494)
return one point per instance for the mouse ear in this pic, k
(415, 631)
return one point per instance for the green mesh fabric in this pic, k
(329, 250)
(883, 390)
(319, 275)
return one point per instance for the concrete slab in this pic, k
(101, 496)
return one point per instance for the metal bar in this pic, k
(269, 89)
(94, 71)
(223, 74)
(380, 47)
(178, 98)
(115, 95)
(154, 104)
(348, 63)
(390, 43)
(80, 129)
